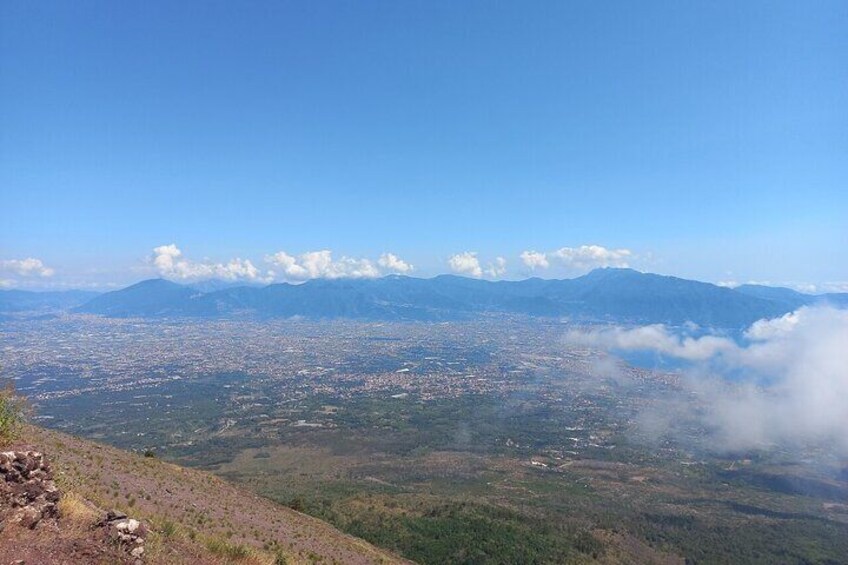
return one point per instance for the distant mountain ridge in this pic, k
(614, 295)
(792, 298)
(26, 300)
(145, 299)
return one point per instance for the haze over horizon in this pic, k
(286, 142)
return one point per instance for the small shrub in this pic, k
(297, 504)
(586, 543)
(227, 550)
(167, 528)
(12, 413)
(73, 507)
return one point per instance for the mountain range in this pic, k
(27, 301)
(609, 294)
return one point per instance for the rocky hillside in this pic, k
(67, 500)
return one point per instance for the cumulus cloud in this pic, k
(322, 265)
(394, 263)
(466, 263)
(29, 267)
(496, 268)
(580, 258)
(291, 269)
(535, 260)
(170, 263)
(591, 256)
(784, 382)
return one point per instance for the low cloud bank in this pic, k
(784, 382)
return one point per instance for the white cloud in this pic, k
(581, 258)
(170, 263)
(291, 270)
(29, 267)
(654, 337)
(321, 265)
(766, 329)
(535, 260)
(834, 286)
(167, 260)
(466, 263)
(497, 268)
(394, 263)
(591, 256)
(785, 382)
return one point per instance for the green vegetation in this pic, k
(12, 411)
(227, 550)
(165, 527)
(455, 532)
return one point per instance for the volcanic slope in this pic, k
(189, 516)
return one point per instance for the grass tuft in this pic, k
(76, 509)
(228, 550)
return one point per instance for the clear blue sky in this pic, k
(709, 139)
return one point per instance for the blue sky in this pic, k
(707, 140)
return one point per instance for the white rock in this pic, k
(129, 526)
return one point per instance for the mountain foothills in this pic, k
(617, 295)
